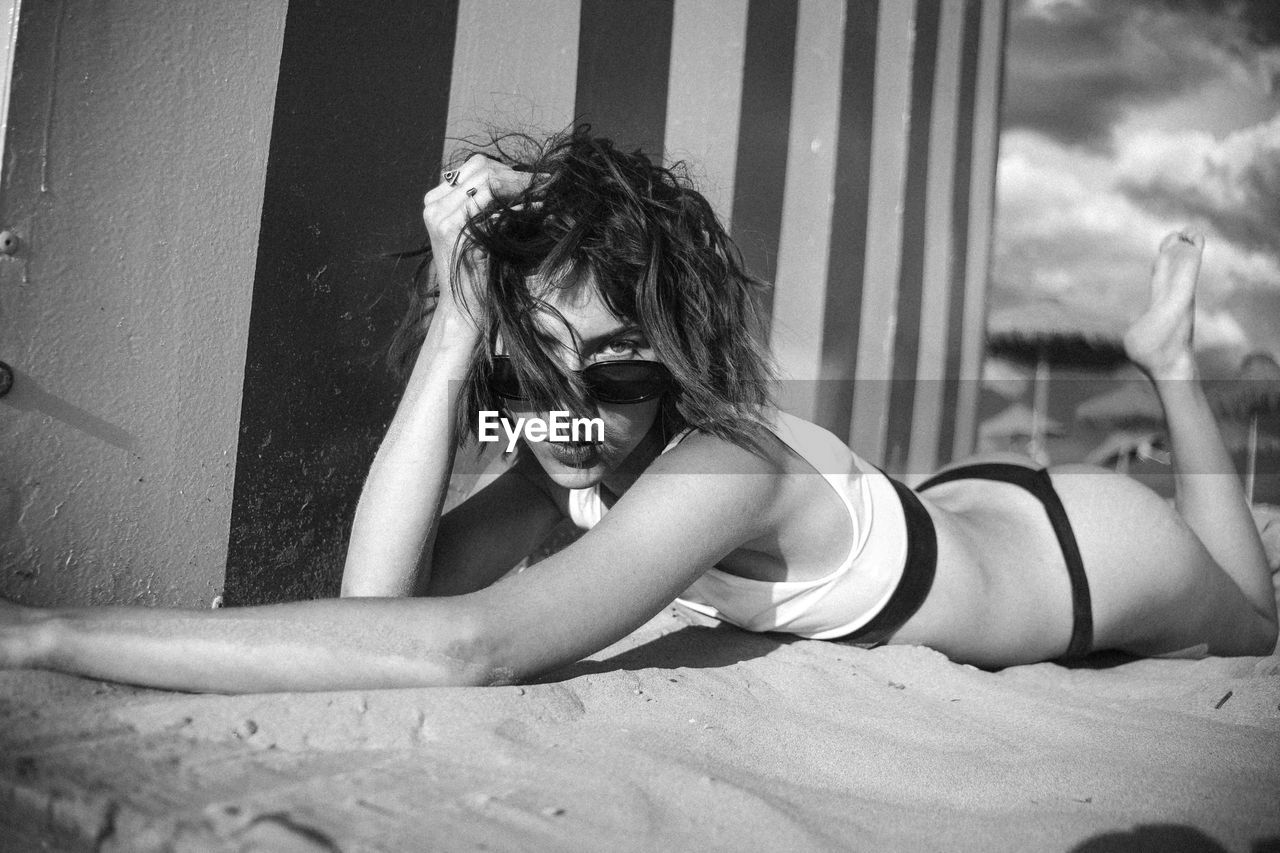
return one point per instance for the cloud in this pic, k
(1233, 183)
(1256, 19)
(1075, 242)
(1065, 237)
(1125, 119)
(1076, 68)
(1220, 330)
(1256, 311)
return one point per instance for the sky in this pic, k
(1122, 120)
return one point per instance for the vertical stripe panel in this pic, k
(514, 66)
(840, 331)
(914, 236)
(624, 52)
(937, 281)
(799, 296)
(764, 129)
(986, 138)
(960, 227)
(356, 139)
(708, 42)
(894, 42)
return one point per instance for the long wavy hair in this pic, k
(658, 257)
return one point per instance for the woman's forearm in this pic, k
(313, 645)
(395, 521)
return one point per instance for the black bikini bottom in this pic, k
(922, 553)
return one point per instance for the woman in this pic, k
(588, 281)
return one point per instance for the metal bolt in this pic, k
(8, 242)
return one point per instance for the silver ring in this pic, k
(451, 177)
(471, 193)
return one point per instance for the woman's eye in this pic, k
(622, 348)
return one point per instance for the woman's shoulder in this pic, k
(780, 442)
(712, 481)
(700, 451)
(768, 482)
(817, 445)
(783, 439)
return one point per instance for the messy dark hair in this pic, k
(659, 258)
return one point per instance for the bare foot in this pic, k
(1159, 341)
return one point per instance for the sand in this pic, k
(684, 736)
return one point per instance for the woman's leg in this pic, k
(1161, 579)
(1209, 496)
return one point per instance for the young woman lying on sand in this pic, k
(590, 281)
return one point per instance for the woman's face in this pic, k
(590, 333)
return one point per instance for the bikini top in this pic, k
(831, 606)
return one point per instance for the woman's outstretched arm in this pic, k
(664, 532)
(335, 644)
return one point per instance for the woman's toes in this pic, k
(1184, 266)
(1170, 240)
(1160, 339)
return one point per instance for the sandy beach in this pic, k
(684, 736)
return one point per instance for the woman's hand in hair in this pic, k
(461, 194)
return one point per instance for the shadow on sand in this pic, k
(691, 646)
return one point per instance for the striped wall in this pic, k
(850, 144)
(880, 286)
(358, 135)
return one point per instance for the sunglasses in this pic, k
(628, 381)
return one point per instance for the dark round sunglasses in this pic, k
(628, 381)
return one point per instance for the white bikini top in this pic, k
(828, 607)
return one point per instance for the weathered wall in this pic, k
(134, 176)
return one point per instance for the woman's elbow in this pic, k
(467, 641)
(472, 657)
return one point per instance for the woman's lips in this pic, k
(575, 454)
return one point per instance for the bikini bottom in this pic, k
(922, 553)
(1037, 482)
